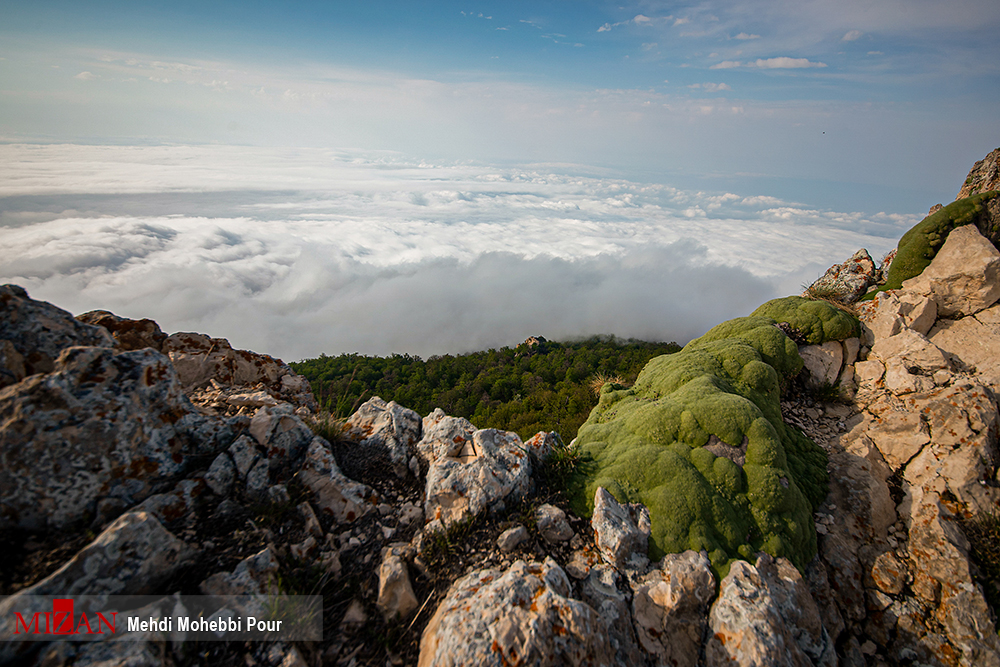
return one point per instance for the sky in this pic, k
(431, 177)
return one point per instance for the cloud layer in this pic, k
(295, 253)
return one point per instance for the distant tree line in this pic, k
(537, 386)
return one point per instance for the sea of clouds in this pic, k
(301, 252)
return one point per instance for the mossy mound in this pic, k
(921, 243)
(700, 441)
(817, 321)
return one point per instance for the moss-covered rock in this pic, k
(921, 243)
(817, 321)
(700, 441)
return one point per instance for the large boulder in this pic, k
(846, 282)
(964, 277)
(101, 425)
(386, 426)
(39, 331)
(523, 615)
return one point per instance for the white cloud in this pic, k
(294, 253)
(682, 21)
(85, 76)
(604, 28)
(744, 35)
(711, 87)
(727, 64)
(875, 53)
(852, 35)
(641, 19)
(785, 62)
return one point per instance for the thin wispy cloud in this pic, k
(711, 87)
(782, 62)
(852, 36)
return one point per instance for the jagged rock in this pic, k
(12, 368)
(899, 436)
(282, 434)
(444, 436)
(818, 580)
(221, 474)
(602, 591)
(180, 503)
(542, 444)
(847, 282)
(620, 531)
(39, 331)
(669, 607)
(205, 363)
(312, 524)
(823, 362)
(333, 493)
(964, 276)
(395, 592)
(102, 424)
(389, 426)
(911, 350)
(523, 615)
(889, 574)
(130, 334)
(883, 269)
(472, 472)
(765, 616)
(132, 556)
(983, 177)
(255, 575)
(511, 538)
(552, 524)
(898, 310)
(972, 343)
(257, 399)
(245, 455)
(258, 480)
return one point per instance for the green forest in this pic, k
(536, 386)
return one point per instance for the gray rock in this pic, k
(849, 281)
(102, 424)
(12, 368)
(602, 590)
(129, 334)
(395, 592)
(964, 276)
(552, 524)
(221, 474)
(245, 455)
(39, 331)
(333, 493)
(523, 615)
(983, 177)
(511, 538)
(387, 426)
(620, 531)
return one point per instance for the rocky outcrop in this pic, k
(129, 334)
(983, 177)
(100, 425)
(389, 427)
(37, 332)
(846, 282)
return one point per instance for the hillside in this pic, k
(536, 386)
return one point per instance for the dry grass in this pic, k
(597, 382)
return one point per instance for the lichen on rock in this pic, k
(669, 442)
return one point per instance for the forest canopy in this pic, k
(536, 386)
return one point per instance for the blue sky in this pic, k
(822, 126)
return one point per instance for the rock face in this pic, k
(38, 331)
(100, 425)
(983, 177)
(524, 615)
(621, 531)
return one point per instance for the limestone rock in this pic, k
(511, 538)
(132, 556)
(765, 616)
(334, 494)
(602, 591)
(282, 434)
(12, 368)
(443, 436)
(849, 281)
(900, 436)
(620, 531)
(472, 472)
(910, 349)
(388, 426)
(255, 575)
(983, 177)
(823, 362)
(130, 334)
(552, 524)
(972, 343)
(964, 276)
(101, 425)
(395, 592)
(212, 371)
(180, 503)
(670, 607)
(898, 310)
(523, 615)
(542, 444)
(39, 331)
(889, 574)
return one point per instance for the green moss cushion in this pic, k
(818, 321)
(918, 246)
(700, 441)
